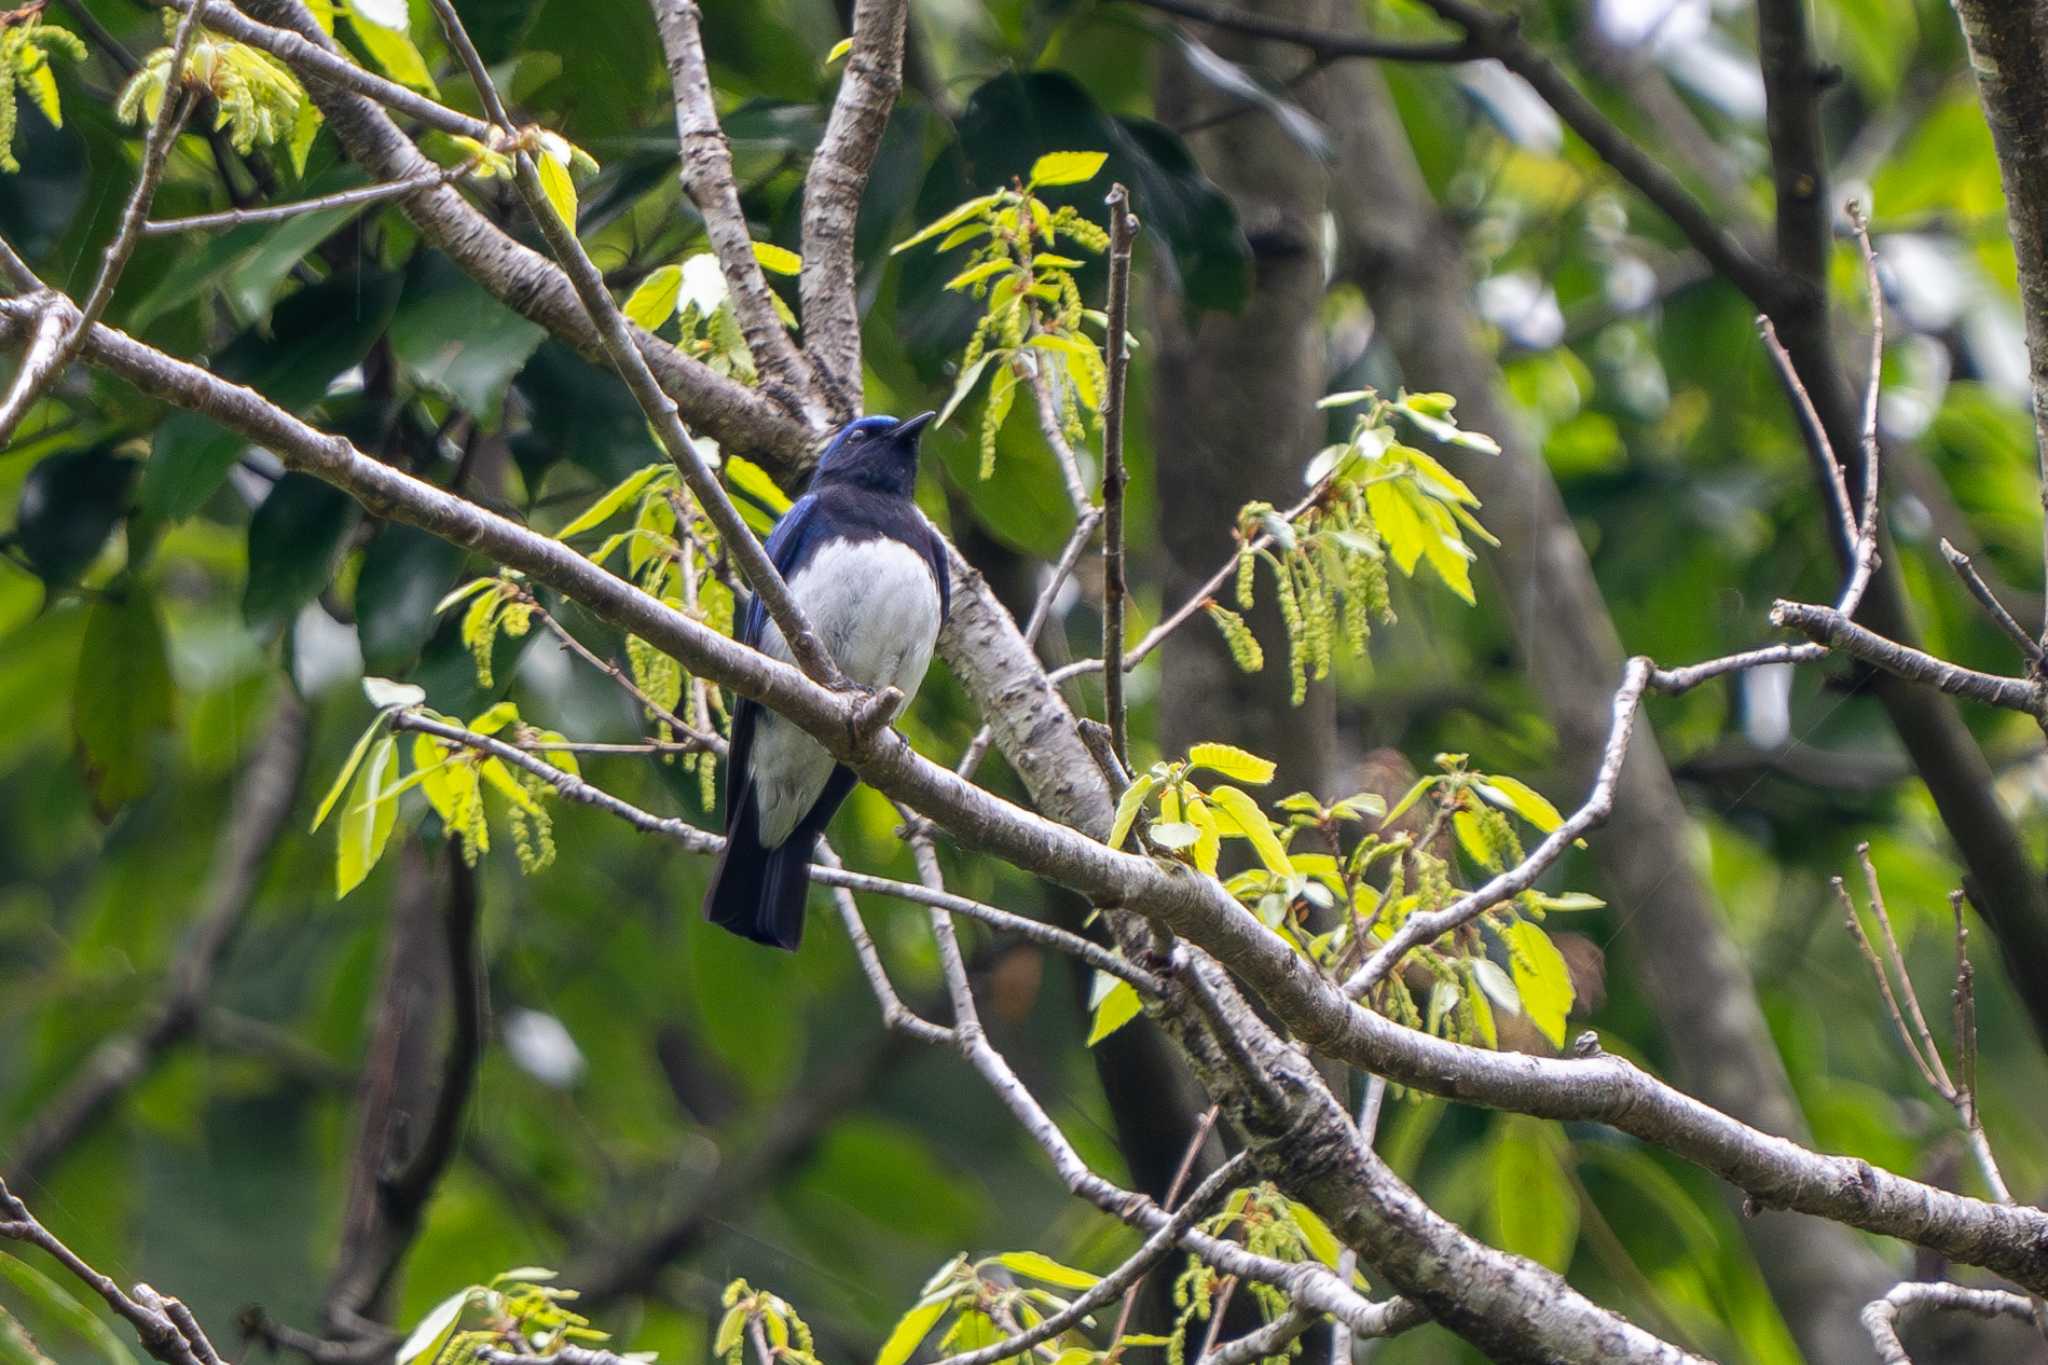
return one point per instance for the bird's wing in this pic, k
(785, 547)
(942, 566)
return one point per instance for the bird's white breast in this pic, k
(875, 607)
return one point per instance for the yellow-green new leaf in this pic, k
(1251, 822)
(1128, 806)
(393, 51)
(960, 214)
(348, 770)
(1239, 765)
(975, 274)
(558, 187)
(1316, 1234)
(1066, 168)
(653, 300)
(778, 260)
(910, 1330)
(839, 50)
(367, 819)
(500, 776)
(1044, 1268)
(1117, 1007)
(616, 497)
(1510, 794)
(1541, 978)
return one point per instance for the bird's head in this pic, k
(878, 453)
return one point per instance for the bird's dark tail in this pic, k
(756, 892)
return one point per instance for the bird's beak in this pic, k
(911, 428)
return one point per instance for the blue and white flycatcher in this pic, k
(870, 575)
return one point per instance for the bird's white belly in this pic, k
(876, 609)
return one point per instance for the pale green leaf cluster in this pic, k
(981, 1302)
(1336, 890)
(1374, 500)
(1032, 326)
(25, 50)
(671, 550)
(519, 1310)
(452, 777)
(787, 1335)
(258, 97)
(1268, 1224)
(692, 293)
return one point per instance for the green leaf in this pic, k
(1511, 794)
(59, 1304)
(463, 593)
(621, 493)
(744, 476)
(839, 50)
(1472, 838)
(1534, 1210)
(451, 336)
(393, 51)
(964, 385)
(558, 187)
(1044, 1268)
(1127, 807)
(910, 1331)
(367, 818)
(653, 300)
(1569, 900)
(778, 260)
(1251, 822)
(1066, 168)
(425, 1341)
(498, 775)
(1118, 1006)
(348, 770)
(1233, 762)
(124, 695)
(1316, 1234)
(960, 214)
(295, 536)
(1399, 522)
(1541, 978)
(974, 274)
(1408, 798)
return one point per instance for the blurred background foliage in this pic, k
(166, 593)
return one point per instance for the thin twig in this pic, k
(1196, 1141)
(1599, 803)
(1123, 231)
(360, 197)
(1882, 1318)
(1050, 427)
(162, 1333)
(2029, 647)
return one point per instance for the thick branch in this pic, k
(832, 193)
(708, 179)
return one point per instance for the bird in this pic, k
(871, 576)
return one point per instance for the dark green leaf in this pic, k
(124, 695)
(293, 540)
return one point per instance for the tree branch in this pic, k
(1883, 1318)
(707, 178)
(832, 194)
(163, 1325)
(1123, 232)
